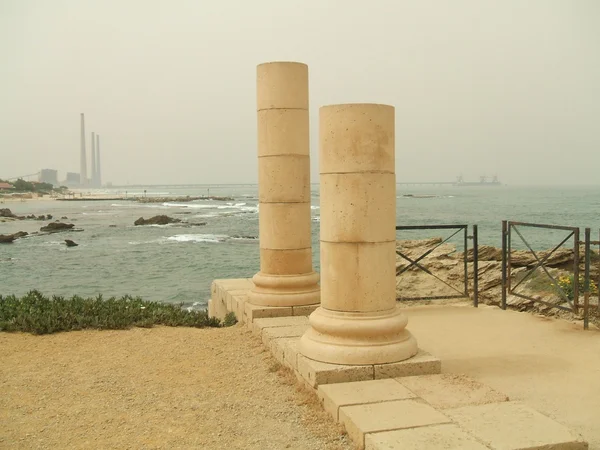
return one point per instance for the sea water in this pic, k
(177, 262)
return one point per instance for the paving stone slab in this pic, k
(438, 437)
(360, 420)
(514, 426)
(290, 353)
(334, 396)
(258, 312)
(269, 334)
(239, 309)
(305, 310)
(451, 391)
(421, 364)
(259, 324)
(277, 347)
(317, 373)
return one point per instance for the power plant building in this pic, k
(49, 176)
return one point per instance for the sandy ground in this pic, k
(154, 388)
(550, 364)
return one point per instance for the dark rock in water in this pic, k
(70, 243)
(156, 220)
(10, 238)
(196, 224)
(64, 217)
(5, 212)
(244, 237)
(55, 227)
(112, 226)
(49, 216)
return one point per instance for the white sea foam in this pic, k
(315, 207)
(211, 238)
(316, 219)
(241, 207)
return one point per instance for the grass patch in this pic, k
(39, 314)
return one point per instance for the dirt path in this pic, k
(154, 388)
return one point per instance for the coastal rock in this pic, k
(10, 238)
(7, 238)
(55, 227)
(5, 212)
(156, 220)
(521, 258)
(64, 218)
(70, 243)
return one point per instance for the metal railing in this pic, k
(508, 227)
(416, 262)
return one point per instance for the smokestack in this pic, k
(83, 161)
(98, 173)
(93, 174)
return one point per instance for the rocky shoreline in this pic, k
(445, 263)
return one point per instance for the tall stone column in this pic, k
(286, 276)
(358, 321)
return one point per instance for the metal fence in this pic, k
(572, 299)
(461, 230)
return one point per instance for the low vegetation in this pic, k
(39, 314)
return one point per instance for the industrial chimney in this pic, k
(83, 160)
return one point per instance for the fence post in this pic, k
(576, 273)
(504, 262)
(586, 281)
(465, 258)
(475, 268)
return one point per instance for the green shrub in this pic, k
(229, 319)
(38, 314)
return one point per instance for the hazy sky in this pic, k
(506, 87)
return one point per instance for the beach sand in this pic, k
(154, 388)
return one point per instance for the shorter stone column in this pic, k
(358, 321)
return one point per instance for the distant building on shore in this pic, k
(49, 176)
(5, 186)
(73, 179)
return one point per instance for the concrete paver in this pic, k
(451, 391)
(317, 373)
(514, 426)
(334, 396)
(360, 420)
(421, 364)
(271, 322)
(438, 437)
(269, 334)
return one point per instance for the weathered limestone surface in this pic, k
(444, 436)
(286, 277)
(358, 322)
(512, 425)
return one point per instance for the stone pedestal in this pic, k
(358, 321)
(286, 276)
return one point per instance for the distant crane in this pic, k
(24, 176)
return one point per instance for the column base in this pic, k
(357, 338)
(285, 290)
